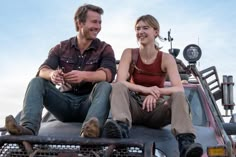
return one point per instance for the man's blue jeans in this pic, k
(66, 107)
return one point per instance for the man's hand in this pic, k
(75, 76)
(57, 77)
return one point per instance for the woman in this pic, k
(138, 95)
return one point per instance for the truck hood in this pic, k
(163, 138)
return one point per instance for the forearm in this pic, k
(94, 76)
(133, 87)
(170, 90)
(46, 73)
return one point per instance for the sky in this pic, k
(29, 29)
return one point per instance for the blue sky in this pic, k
(30, 28)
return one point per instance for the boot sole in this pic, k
(195, 150)
(11, 126)
(112, 130)
(91, 128)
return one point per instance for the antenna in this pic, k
(172, 51)
(170, 39)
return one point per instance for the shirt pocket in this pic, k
(92, 61)
(92, 64)
(67, 64)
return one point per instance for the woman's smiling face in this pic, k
(145, 33)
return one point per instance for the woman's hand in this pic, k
(149, 103)
(154, 91)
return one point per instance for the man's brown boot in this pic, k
(15, 129)
(90, 128)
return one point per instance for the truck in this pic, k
(205, 93)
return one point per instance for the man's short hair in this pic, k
(81, 13)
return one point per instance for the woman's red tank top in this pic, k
(149, 74)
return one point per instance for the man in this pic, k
(82, 66)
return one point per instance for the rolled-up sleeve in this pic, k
(108, 63)
(53, 58)
(52, 61)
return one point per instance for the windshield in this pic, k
(196, 106)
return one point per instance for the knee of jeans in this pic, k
(37, 80)
(104, 85)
